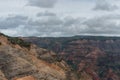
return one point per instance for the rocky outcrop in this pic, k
(2, 76)
(20, 60)
(25, 78)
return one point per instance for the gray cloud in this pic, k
(42, 3)
(12, 21)
(104, 5)
(46, 13)
(103, 25)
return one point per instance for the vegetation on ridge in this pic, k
(16, 40)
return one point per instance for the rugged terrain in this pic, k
(91, 57)
(20, 60)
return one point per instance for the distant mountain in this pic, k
(92, 57)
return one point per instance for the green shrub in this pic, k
(15, 40)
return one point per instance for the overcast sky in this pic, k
(56, 18)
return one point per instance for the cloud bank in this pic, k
(49, 24)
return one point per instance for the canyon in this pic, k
(91, 57)
(63, 58)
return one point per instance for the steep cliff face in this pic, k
(94, 58)
(20, 60)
